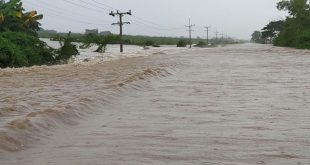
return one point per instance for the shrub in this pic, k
(182, 43)
(67, 49)
(148, 43)
(66, 52)
(20, 49)
(156, 46)
(10, 55)
(201, 44)
(101, 41)
(35, 50)
(303, 40)
(287, 37)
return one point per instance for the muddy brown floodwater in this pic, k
(236, 105)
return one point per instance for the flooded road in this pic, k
(236, 105)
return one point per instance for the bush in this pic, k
(67, 49)
(101, 41)
(201, 44)
(10, 55)
(303, 40)
(182, 43)
(20, 49)
(148, 43)
(66, 52)
(156, 46)
(35, 50)
(287, 37)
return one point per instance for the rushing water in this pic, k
(240, 104)
(112, 52)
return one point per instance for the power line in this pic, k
(55, 10)
(105, 5)
(82, 6)
(145, 29)
(95, 6)
(159, 27)
(141, 20)
(154, 27)
(137, 19)
(58, 14)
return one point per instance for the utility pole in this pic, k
(216, 35)
(208, 29)
(120, 24)
(189, 26)
(222, 36)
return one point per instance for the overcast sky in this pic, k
(236, 18)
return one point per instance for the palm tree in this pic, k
(31, 20)
(12, 18)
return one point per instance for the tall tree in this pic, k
(257, 37)
(296, 28)
(271, 31)
(295, 8)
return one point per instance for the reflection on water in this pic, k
(241, 104)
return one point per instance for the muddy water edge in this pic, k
(240, 104)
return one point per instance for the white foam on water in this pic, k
(113, 52)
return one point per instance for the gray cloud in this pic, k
(237, 18)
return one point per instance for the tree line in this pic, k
(294, 31)
(20, 45)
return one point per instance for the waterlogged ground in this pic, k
(236, 105)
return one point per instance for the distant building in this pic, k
(47, 31)
(105, 33)
(91, 31)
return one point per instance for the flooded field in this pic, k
(235, 105)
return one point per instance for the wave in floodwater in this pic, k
(239, 104)
(36, 100)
